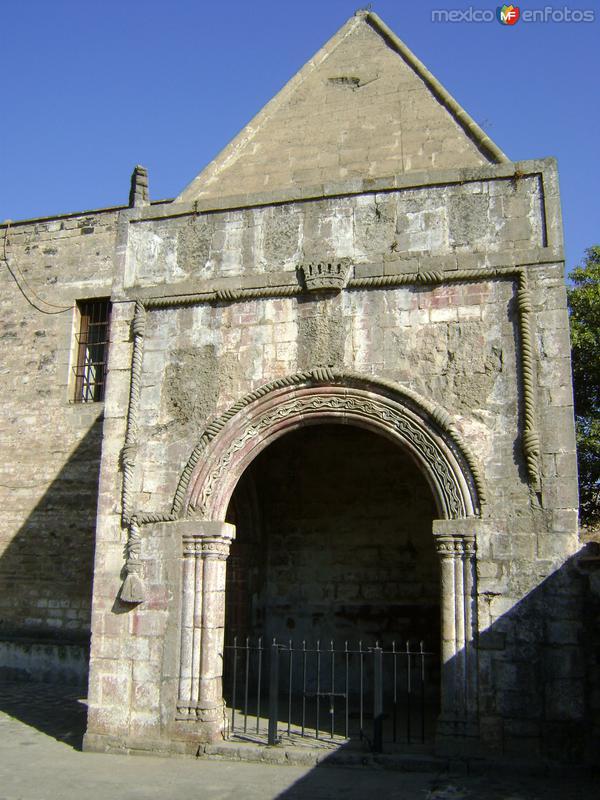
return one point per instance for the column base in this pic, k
(204, 723)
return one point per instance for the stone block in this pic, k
(519, 703)
(491, 640)
(557, 545)
(567, 632)
(565, 699)
(443, 314)
(564, 663)
(108, 721)
(145, 698)
(492, 733)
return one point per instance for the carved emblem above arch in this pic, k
(324, 395)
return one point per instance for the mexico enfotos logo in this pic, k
(509, 15)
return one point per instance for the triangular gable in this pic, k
(363, 106)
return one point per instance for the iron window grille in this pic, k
(92, 350)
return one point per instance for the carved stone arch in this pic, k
(228, 446)
(422, 429)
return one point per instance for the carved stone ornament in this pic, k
(210, 486)
(208, 547)
(326, 276)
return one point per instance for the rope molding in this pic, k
(132, 590)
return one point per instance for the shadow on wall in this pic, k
(46, 576)
(539, 682)
(537, 671)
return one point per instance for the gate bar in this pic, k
(273, 693)
(377, 699)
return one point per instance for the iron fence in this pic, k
(379, 695)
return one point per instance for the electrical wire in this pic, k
(23, 283)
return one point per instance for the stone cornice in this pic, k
(546, 168)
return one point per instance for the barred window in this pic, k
(92, 350)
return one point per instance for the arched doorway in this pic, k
(217, 478)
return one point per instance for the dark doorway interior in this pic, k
(334, 544)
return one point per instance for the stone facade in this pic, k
(404, 278)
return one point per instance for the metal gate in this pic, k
(379, 695)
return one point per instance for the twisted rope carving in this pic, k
(128, 454)
(430, 278)
(441, 416)
(132, 590)
(531, 444)
(149, 518)
(222, 296)
(323, 374)
(254, 294)
(382, 281)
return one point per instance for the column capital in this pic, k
(448, 545)
(455, 537)
(469, 544)
(206, 538)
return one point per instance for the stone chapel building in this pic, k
(322, 395)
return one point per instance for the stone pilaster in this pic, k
(456, 547)
(200, 699)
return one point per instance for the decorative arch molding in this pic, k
(320, 395)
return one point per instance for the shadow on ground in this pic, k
(54, 710)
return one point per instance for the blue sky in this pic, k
(91, 89)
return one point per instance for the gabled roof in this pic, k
(363, 106)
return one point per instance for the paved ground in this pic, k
(40, 759)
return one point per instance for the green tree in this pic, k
(584, 314)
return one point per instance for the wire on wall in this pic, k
(25, 289)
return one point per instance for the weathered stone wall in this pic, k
(460, 343)
(50, 446)
(213, 356)
(461, 220)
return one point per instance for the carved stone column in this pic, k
(200, 698)
(446, 551)
(456, 547)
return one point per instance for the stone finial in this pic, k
(138, 193)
